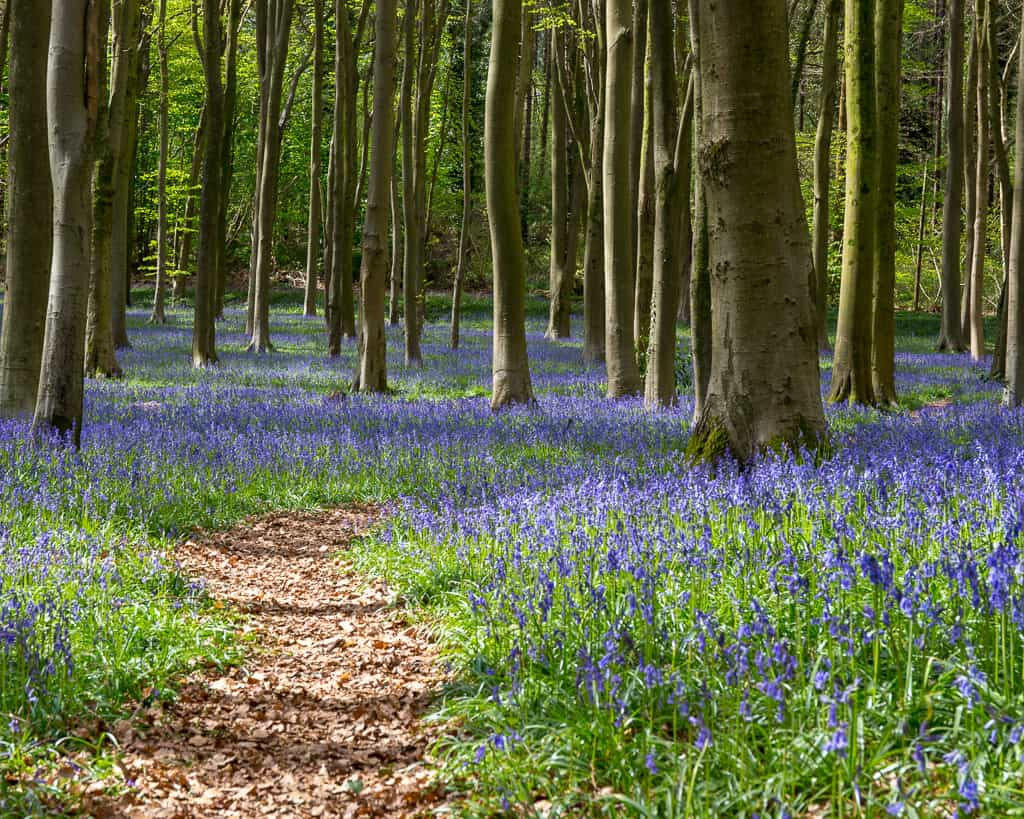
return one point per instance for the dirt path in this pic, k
(322, 720)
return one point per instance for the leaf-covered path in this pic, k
(323, 718)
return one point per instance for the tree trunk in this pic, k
(673, 149)
(980, 246)
(128, 47)
(413, 248)
(397, 251)
(374, 276)
(228, 151)
(467, 177)
(700, 274)
(315, 150)
(511, 369)
(970, 182)
(851, 368)
(1014, 395)
(889, 44)
(637, 107)
(764, 389)
(188, 231)
(72, 97)
(951, 338)
(204, 352)
(593, 252)
(30, 222)
(823, 165)
(619, 214)
(560, 278)
(100, 358)
(645, 218)
(159, 316)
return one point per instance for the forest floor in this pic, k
(323, 720)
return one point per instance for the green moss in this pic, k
(709, 441)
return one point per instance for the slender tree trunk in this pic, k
(30, 222)
(951, 337)
(672, 143)
(188, 231)
(129, 49)
(997, 116)
(72, 104)
(524, 115)
(511, 369)
(764, 388)
(637, 107)
(228, 151)
(204, 352)
(1014, 395)
(889, 44)
(851, 369)
(593, 252)
(560, 277)
(619, 214)
(100, 358)
(970, 182)
(372, 339)
(981, 174)
(315, 161)
(413, 248)
(467, 177)
(700, 275)
(159, 316)
(645, 218)
(823, 165)
(397, 251)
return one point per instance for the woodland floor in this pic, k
(322, 719)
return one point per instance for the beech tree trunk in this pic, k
(210, 45)
(228, 150)
(700, 275)
(560, 277)
(374, 276)
(889, 43)
(970, 167)
(645, 218)
(764, 388)
(315, 163)
(159, 316)
(72, 105)
(951, 338)
(823, 165)
(619, 213)
(467, 179)
(851, 368)
(1014, 395)
(30, 219)
(511, 369)
(981, 175)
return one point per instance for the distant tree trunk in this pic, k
(593, 252)
(981, 174)
(851, 369)
(277, 34)
(397, 251)
(673, 148)
(1014, 395)
(764, 388)
(467, 178)
(211, 46)
(951, 337)
(511, 369)
(700, 274)
(619, 258)
(823, 165)
(128, 49)
(801, 52)
(228, 151)
(158, 316)
(100, 358)
(638, 113)
(524, 115)
(184, 255)
(72, 97)
(30, 222)
(970, 182)
(889, 44)
(560, 277)
(372, 340)
(413, 247)
(997, 118)
(315, 161)
(645, 218)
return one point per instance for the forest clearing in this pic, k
(542, 408)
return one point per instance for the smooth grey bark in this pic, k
(210, 46)
(851, 368)
(645, 218)
(970, 181)
(227, 149)
(72, 97)
(1014, 394)
(672, 142)
(397, 250)
(981, 177)
(700, 273)
(951, 337)
(764, 388)
(823, 164)
(374, 274)
(510, 365)
(619, 258)
(30, 219)
(467, 179)
(159, 315)
(560, 277)
(315, 163)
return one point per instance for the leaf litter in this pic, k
(324, 717)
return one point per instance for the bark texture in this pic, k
(1014, 395)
